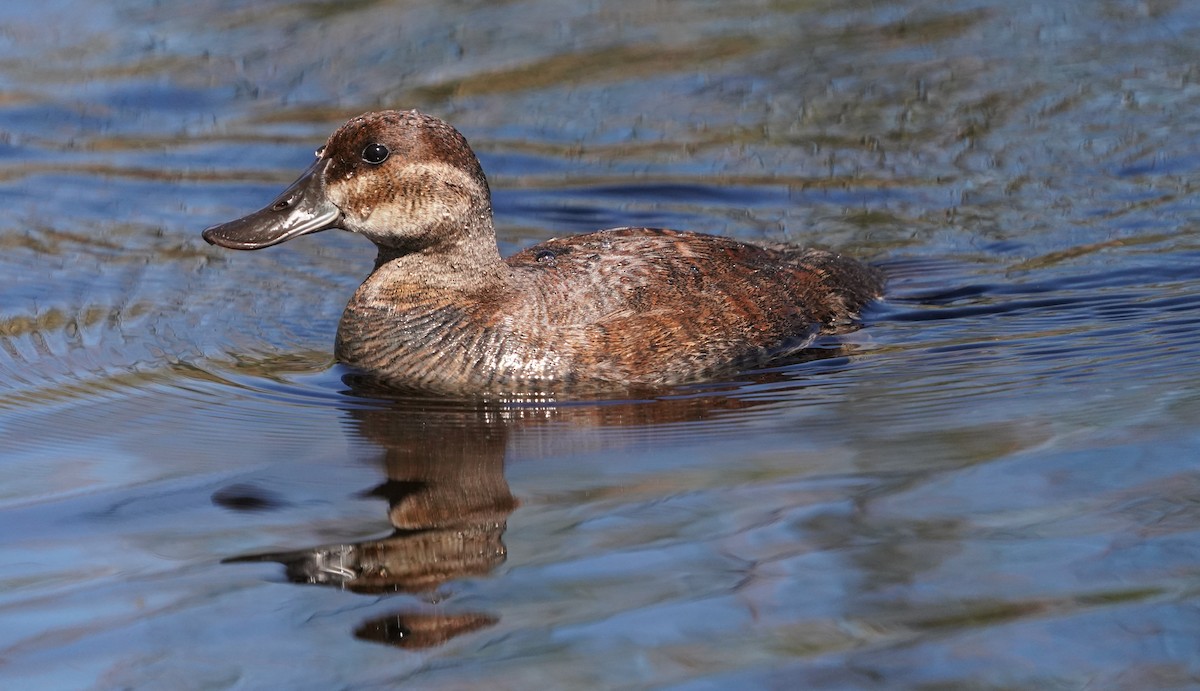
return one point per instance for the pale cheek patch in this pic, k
(416, 198)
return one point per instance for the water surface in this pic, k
(992, 485)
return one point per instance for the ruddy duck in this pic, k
(443, 312)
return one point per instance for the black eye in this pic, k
(320, 151)
(375, 153)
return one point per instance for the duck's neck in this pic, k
(464, 256)
(422, 302)
(453, 270)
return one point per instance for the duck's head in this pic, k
(405, 180)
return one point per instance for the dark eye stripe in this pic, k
(375, 153)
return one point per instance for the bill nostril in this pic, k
(281, 205)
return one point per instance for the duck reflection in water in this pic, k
(448, 502)
(448, 499)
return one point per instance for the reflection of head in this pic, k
(448, 502)
(415, 630)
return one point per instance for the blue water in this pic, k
(991, 485)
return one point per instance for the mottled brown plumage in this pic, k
(630, 306)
